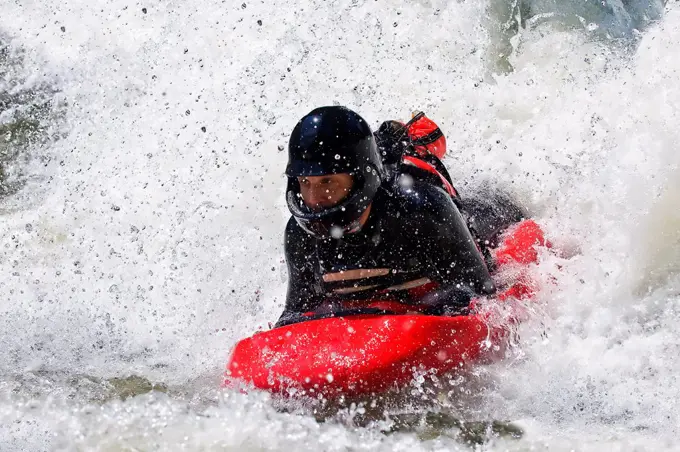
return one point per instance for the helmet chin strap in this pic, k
(357, 224)
(338, 232)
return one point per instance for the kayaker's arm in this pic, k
(302, 295)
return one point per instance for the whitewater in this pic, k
(142, 235)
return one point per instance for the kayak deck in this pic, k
(361, 354)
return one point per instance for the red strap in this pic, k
(427, 167)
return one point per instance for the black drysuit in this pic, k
(415, 237)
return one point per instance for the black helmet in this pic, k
(333, 140)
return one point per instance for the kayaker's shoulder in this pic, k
(418, 197)
(292, 227)
(294, 235)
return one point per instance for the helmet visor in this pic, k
(330, 221)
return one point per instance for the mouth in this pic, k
(319, 205)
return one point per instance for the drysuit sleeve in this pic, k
(453, 256)
(304, 292)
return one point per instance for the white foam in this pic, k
(586, 136)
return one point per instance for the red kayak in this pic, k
(364, 351)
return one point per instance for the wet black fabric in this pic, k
(416, 233)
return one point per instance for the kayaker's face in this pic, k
(320, 192)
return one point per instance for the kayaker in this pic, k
(376, 217)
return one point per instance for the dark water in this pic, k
(619, 23)
(31, 112)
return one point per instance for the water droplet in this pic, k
(406, 181)
(336, 232)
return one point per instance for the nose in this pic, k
(315, 197)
